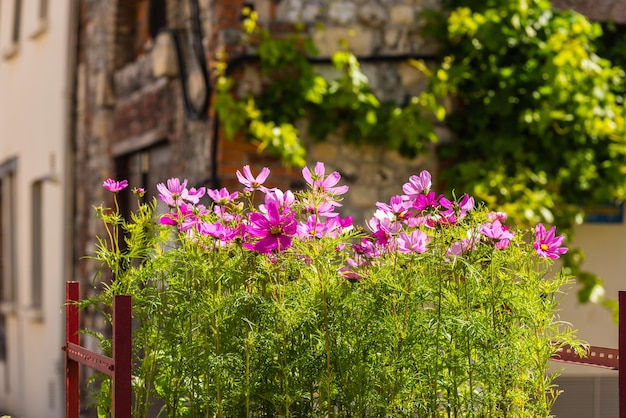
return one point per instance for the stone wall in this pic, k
(598, 10)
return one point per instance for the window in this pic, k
(12, 48)
(142, 167)
(145, 168)
(137, 21)
(17, 17)
(41, 21)
(7, 246)
(37, 245)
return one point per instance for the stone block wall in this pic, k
(383, 35)
(598, 10)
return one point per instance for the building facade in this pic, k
(36, 95)
(125, 88)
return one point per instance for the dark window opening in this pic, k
(137, 22)
(7, 247)
(157, 16)
(17, 17)
(37, 244)
(144, 168)
(43, 9)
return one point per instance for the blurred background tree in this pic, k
(538, 115)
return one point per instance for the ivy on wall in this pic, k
(294, 90)
(539, 115)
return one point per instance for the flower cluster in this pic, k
(391, 306)
(404, 225)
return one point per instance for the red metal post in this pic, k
(72, 323)
(118, 367)
(622, 353)
(122, 358)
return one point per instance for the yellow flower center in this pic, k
(544, 247)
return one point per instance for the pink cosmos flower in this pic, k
(418, 185)
(366, 248)
(253, 183)
(186, 216)
(173, 193)
(459, 248)
(222, 196)
(425, 201)
(222, 232)
(320, 227)
(492, 216)
(546, 244)
(497, 232)
(324, 208)
(350, 270)
(194, 195)
(415, 242)
(460, 209)
(466, 244)
(383, 226)
(114, 186)
(398, 205)
(275, 229)
(283, 200)
(321, 183)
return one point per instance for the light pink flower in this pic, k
(253, 183)
(417, 185)
(415, 242)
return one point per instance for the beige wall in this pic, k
(604, 245)
(35, 97)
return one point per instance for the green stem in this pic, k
(326, 343)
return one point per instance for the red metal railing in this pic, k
(118, 367)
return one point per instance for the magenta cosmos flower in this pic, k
(115, 186)
(253, 183)
(546, 244)
(275, 229)
(498, 233)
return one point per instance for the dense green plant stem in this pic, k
(327, 344)
(224, 330)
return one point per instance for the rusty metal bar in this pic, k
(607, 358)
(72, 320)
(122, 349)
(96, 361)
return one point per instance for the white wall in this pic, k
(35, 98)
